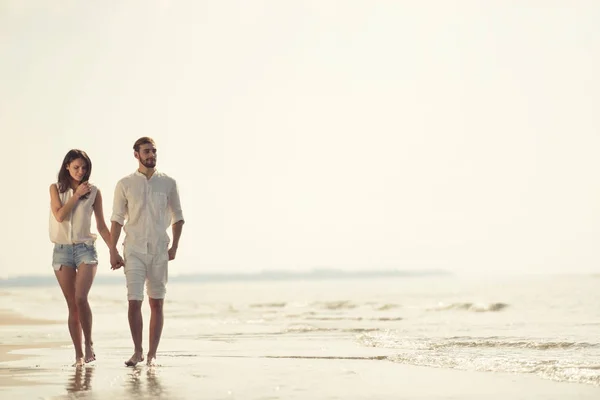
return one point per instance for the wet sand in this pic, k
(252, 368)
(212, 371)
(9, 318)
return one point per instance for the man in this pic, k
(149, 200)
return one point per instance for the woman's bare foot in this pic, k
(151, 360)
(89, 353)
(135, 358)
(79, 362)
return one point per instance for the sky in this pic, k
(307, 134)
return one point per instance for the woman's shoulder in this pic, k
(93, 188)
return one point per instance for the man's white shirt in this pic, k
(146, 208)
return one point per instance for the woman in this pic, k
(73, 200)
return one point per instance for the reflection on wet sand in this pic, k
(150, 388)
(139, 382)
(81, 381)
(154, 386)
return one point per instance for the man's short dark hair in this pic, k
(141, 141)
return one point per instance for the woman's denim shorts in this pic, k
(73, 255)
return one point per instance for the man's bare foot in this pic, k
(79, 362)
(135, 358)
(89, 354)
(151, 361)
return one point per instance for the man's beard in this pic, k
(149, 163)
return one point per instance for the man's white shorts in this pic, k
(151, 269)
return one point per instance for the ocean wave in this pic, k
(385, 307)
(556, 370)
(300, 328)
(551, 360)
(335, 318)
(315, 316)
(360, 330)
(390, 340)
(474, 307)
(354, 319)
(517, 344)
(336, 305)
(300, 315)
(369, 358)
(304, 328)
(268, 305)
(329, 305)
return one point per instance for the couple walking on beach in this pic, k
(145, 204)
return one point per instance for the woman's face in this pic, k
(77, 169)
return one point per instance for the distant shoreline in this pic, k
(273, 275)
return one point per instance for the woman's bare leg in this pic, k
(83, 284)
(66, 277)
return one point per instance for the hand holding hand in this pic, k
(116, 261)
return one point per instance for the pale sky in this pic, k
(351, 134)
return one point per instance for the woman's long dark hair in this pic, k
(64, 178)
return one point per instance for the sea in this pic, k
(544, 326)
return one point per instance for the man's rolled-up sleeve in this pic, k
(175, 205)
(119, 213)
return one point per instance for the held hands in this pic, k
(116, 261)
(83, 189)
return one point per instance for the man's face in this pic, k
(147, 155)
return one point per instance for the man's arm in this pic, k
(116, 261)
(177, 228)
(177, 220)
(117, 220)
(115, 232)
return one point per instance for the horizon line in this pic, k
(271, 274)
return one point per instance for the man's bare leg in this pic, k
(136, 325)
(156, 326)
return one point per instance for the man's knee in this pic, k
(156, 304)
(135, 305)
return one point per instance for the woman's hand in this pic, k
(83, 189)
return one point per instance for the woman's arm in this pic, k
(100, 223)
(59, 210)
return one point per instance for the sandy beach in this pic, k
(312, 340)
(11, 318)
(216, 369)
(12, 352)
(248, 377)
